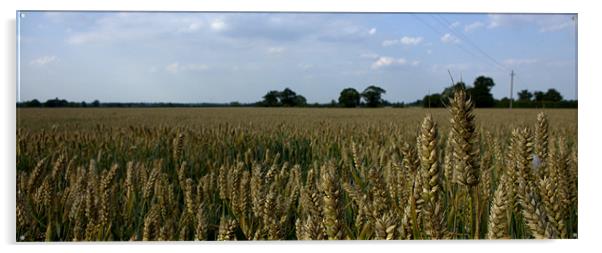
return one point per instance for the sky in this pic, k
(224, 57)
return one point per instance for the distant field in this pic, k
(293, 173)
(82, 118)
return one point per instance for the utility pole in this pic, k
(511, 86)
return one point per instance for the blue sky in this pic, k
(224, 57)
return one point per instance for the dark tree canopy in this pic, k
(349, 97)
(433, 101)
(481, 92)
(552, 95)
(449, 91)
(372, 96)
(539, 99)
(56, 103)
(525, 95)
(271, 98)
(539, 96)
(33, 103)
(287, 97)
(299, 101)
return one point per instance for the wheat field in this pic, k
(295, 174)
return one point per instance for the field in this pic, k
(295, 174)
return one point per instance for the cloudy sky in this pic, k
(224, 57)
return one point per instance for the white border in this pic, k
(589, 95)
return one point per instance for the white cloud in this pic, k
(555, 27)
(118, 27)
(83, 38)
(429, 51)
(275, 50)
(448, 38)
(196, 67)
(173, 67)
(176, 67)
(494, 20)
(192, 27)
(387, 61)
(561, 63)
(144, 27)
(405, 40)
(410, 40)
(387, 43)
(43, 60)
(455, 24)
(453, 67)
(218, 25)
(305, 66)
(544, 22)
(516, 62)
(369, 55)
(415, 63)
(473, 26)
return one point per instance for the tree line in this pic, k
(349, 97)
(371, 96)
(56, 102)
(480, 94)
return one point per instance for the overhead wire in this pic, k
(470, 42)
(436, 31)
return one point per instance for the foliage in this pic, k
(349, 97)
(372, 96)
(524, 96)
(480, 92)
(287, 98)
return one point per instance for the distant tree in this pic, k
(552, 95)
(418, 102)
(372, 96)
(288, 97)
(525, 95)
(349, 97)
(539, 96)
(398, 105)
(56, 103)
(449, 91)
(432, 101)
(503, 103)
(83, 104)
(300, 101)
(481, 92)
(96, 103)
(271, 98)
(33, 103)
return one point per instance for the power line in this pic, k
(436, 31)
(474, 44)
(464, 37)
